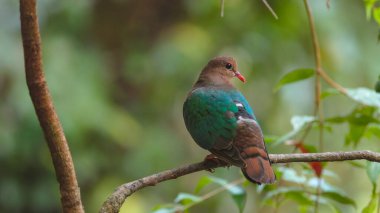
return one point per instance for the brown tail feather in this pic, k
(258, 168)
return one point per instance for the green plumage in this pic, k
(209, 115)
(219, 119)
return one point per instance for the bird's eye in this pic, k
(229, 66)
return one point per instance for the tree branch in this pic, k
(317, 56)
(39, 93)
(117, 198)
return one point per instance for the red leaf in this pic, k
(316, 166)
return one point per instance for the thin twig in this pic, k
(317, 54)
(332, 83)
(43, 105)
(318, 68)
(221, 8)
(318, 194)
(117, 198)
(270, 9)
(318, 105)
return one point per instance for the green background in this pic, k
(119, 72)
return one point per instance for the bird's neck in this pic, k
(213, 80)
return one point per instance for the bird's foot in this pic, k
(211, 157)
(214, 161)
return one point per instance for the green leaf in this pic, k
(338, 197)
(372, 205)
(294, 193)
(373, 202)
(368, 8)
(310, 148)
(359, 119)
(299, 123)
(240, 200)
(337, 119)
(283, 190)
(329, 92)
(313, 182)
(237, 192)
(303, 209)
(186, 198)
(356, 164)
(354, 134)
(376, 15)
(333, 208)
(362, 115)
(270, 138)
(373, 130)
(364, 96)
(299, 197)
(285, 138)
(204, 181)
(165, 208)
(264, 188)
(373, 171)
(330, 173)
(325, 201)
(289, 174)
(234, 189)
(294, 76)
(328, 128)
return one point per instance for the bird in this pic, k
(220, 120)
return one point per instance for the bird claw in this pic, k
(211, 170)
(214, 160)
(211, 157)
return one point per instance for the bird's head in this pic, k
(221, 70)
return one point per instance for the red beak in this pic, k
(239, 76)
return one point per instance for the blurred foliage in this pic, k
(119, 72)
(294, 76)
(372, 9)
(184, 201)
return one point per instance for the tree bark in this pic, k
(43, 105)
(117, 198)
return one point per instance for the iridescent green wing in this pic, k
(209, 116)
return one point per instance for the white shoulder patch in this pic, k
(247, 120)
(239, 104)
(196, 89)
